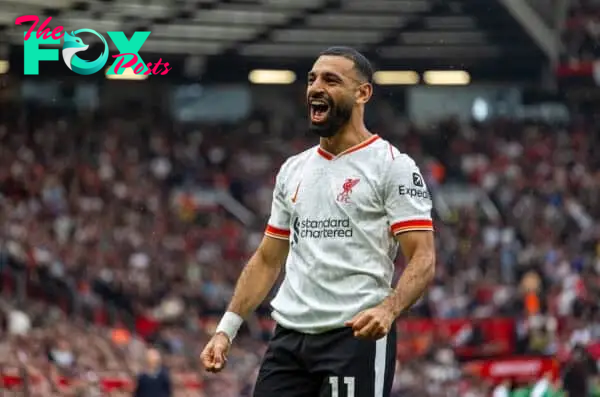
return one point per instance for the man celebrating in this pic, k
(340, 210)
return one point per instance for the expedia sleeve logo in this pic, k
(417, 180)
(413, 192)
(417, 190)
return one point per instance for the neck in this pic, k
(350, 135)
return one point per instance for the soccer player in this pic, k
(340, 210)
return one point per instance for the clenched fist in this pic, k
(374, 323)
(214, 355)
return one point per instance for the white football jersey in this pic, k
(340, 214)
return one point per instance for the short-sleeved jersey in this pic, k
(340, 214)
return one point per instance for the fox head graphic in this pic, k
(73, 44)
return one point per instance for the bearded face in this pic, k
(327, 115)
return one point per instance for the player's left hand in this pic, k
(372, 323)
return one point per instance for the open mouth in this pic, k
(319, 109)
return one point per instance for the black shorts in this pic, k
(331, 364)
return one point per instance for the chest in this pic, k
(342, 188)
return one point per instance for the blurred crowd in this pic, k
(581, 33)
(117, 234)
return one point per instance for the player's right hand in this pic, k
(214, 355)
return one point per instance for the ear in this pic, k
(364, 93)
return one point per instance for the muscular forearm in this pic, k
(412, 284)
(255, 282)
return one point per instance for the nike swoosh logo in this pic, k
(295, 198)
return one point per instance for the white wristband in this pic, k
(230, 324)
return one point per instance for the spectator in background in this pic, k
(156, 381)
(577, 374)
(61, 355)
(19, 322)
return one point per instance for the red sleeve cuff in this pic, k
(415, 224)
(277, 232)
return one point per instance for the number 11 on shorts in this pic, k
(335, 386)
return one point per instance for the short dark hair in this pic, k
(361, 63)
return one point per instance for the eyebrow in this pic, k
(329, 74)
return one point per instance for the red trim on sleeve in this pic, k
(277, 232)
(415, 224)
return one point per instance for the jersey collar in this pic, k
(328, 156)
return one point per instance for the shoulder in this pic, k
(296, 161)
(389, 156)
